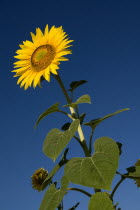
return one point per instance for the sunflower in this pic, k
(38, 178)
(41, 57)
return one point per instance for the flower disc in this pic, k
(41, 57)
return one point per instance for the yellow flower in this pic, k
(41, 57)
(38, 178)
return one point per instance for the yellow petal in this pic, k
(37, 78)
(23, 76)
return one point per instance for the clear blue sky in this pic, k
(106, 53)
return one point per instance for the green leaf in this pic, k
(53, 108)
(66, 126)
(131, 169)
(135, 173)
(57, 140)
(136, 170)
(120, 147)
(100, 201)
(95, 122)
(76, 84)
(81, 118)
(49, 177)
(53, 196)
(82, 99)
(98, 170)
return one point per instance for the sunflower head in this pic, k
(38, 178)
(41, 57)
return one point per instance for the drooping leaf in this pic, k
(53, 196)
(53, 108)
(100, 201)
(98, 170)
(95, 122)
(82, 99)
(76, 84)
(57, 140)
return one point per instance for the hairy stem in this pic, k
(80, 190)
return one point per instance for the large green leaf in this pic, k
(100, 201)
(53, 108)
(95, 122)
(57, 140)
(82, 99)
(98, 170)
(53, 196)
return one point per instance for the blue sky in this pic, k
(106, 53)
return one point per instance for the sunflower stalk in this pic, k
(80, 132)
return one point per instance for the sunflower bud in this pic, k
(38, 178)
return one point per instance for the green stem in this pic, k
(116, 187)
(80, 190)
(57, 77)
